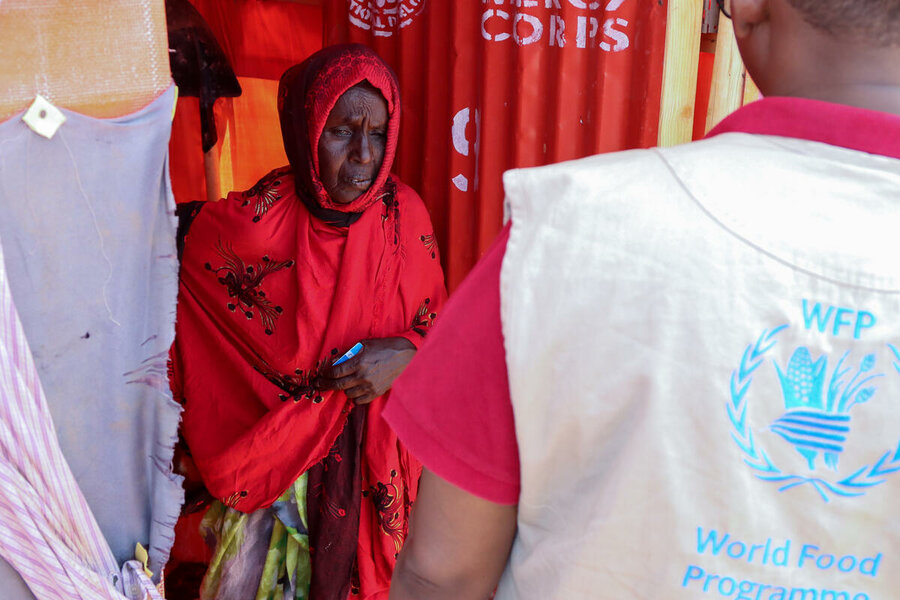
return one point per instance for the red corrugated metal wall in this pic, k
(493, 84)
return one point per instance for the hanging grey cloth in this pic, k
(88, 232)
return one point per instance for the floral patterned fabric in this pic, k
(262, 555)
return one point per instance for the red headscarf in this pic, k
(270, 292)
(306, 95)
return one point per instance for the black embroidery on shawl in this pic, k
(264, 194)
(243, 282)
(430, 244)
(391, 506)
(424, 318)
(232, 500)
(391, 207)
(296, 386)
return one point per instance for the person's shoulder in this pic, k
(404, 192)
(259, 199)
(240, 214)
(277, 181)
(408, 200)
(610, 169)
(615, 176)
(599, 172)
(571, 186)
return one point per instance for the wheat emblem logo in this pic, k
(817, 417)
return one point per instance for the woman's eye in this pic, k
(342, 131)
(379, 133)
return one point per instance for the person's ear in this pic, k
(747, 14)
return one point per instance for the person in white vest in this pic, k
(677, 373)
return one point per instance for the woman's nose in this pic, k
(362, 148)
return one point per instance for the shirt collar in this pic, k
(834, 124)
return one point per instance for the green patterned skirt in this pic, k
(262, 555)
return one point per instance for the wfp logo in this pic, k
(815, 421)
(383, 17)
(812, 415)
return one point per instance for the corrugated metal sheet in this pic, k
(490, 85)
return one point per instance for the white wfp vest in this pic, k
(703, 347)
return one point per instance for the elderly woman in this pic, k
(312, 487)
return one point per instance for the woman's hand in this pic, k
(370, 373)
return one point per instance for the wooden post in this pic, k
(727, 89)
(679, 89)
(211, 170)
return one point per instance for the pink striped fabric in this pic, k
(47, 531)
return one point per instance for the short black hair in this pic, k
(877, 21)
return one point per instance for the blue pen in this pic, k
(349, 354)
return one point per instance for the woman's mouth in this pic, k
(358, 182)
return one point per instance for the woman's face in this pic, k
(351, 148)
